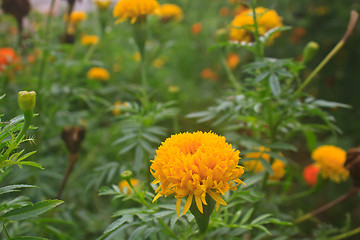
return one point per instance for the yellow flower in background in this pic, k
(169, 12)
(255, 165)
(134, 10)
(193, 165)
(88, 40)
(158, 63)
(77, 17)
(98, 73)
(103, 4)
(125, 188)
(242, 26)
(118, 106)
(331, 160)
(173, 88)
(137, 57)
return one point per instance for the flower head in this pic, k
(98, 73)
(169, 12)
(89, 40)
(7, 56)
(233, 60)
(77, 17)
(331, 160)
(196, 28)
(310, 174)
(193, 165)
(103, 4)
(209, 74)
(134, 10)
(243, 24)
(255, 165)
(124, 186)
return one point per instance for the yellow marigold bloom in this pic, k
(103, 4)
(118, 106)
(173, 88)
(243, 24)
(255, 165)
(158, 63)
(98, 73)
(169, 12)
(331, 160)
(195, 164)
(77, 17)
(89, 40)
(125, 188)
(134, 9)
(137, 57)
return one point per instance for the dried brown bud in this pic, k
(17, 8)
(352, 163)
(73, 137)
(68, 38)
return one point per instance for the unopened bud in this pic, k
(27, 101)
(352, 163)
(73, 137)
(126, 174)
(310, 50)
(221, 35)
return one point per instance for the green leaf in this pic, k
(259, 218)
(277, 156)
(30, 163)
(15, 188)
(31, 210)
(282, 146)
(262, 228)
(247, 216)
(261, 76)
(267, 166)
(136, 234)
(310, 139)
(115, 225)
(28, 238)
(274, 85)
(131, 211)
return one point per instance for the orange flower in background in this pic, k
(194, 165)
(196, 28)
(125, 188)
(233, 60)
(310, 174)
(331, 160)
(7, 57)
(134, 10)
(297, 34)
(243, 24)
(88, 40)
(77, 17)
(98, 73)
(209, 74)
(256, 166)
(224, 11)
(169, 12)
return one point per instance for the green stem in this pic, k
(90, 52)
(345, 235)
(259, 44)
(144, 81)
(230, 74)
(5, 231)
(320, 66)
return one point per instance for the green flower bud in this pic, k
(27, 101)
(126, 174)
(310, 50)
(221, 35)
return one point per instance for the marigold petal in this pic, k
(178, 205)
(216, 197)
(188, 203)
(198, 203)
(156, 197)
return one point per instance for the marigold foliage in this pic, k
(195, 164)
(89, 40)
(331, 160)
(134, 9)
(242, 27)
(98, 73)
(169, 12)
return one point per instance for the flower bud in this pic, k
(27, 101)
(221, 35)
(73, 137)
(309, 51)
(352, 163)
(126, 174)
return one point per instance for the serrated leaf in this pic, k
(247, 216)
(30, 163)
(274, 85)
(15, 188)
(262, 228)
(261, 77)
(31, 210)
(136, 233)
(128, 147)
(115, 225)
(259, 218)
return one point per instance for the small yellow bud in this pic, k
(126, 175)
(27, 100)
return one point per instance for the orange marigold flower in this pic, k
(310, 174)
(224, 11)
(134, 9)
(103, 4)
(233, 60)
(77, 17)
(255, 165)
(169, 12)
(7, 56)
(98, 73)
(331, 160)
(243, 24)
(209, 74)
(196, 28)
(193, 165)
(89, 40)
(125, 188)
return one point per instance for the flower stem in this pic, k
(350, 29)
(352, 192)
(230, 74)
(259, 45)
(72, 160)
(5, 231)
(345, 235)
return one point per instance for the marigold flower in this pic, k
(255, 165)
(310, 174)
(98, 73)
(224, 11)
(103, 4)
(89, 40)
(209, 74)
(243, 24)
(173, 88)
(134, 9)
(137, 57)
(77, 17)
(158, 63)
(7, 56)
(196, 28)
(169, 12)
(233, 60)
(331, 160)
(118, 106)
(125, 188)
(195, 164)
